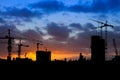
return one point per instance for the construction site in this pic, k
(99, 48)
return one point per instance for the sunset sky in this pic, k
(64, 26)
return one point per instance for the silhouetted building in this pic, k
(97, 49)
(8, 58)
(116, 59)
(43, 56)
(81, 59)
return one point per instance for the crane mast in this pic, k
(9, 48)
(106, 25)
(115, 47)
(19, 48)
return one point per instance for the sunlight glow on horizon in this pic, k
(64, 26)
(55, 56)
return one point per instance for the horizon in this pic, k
(64, 27)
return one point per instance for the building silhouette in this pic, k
(81, 57)
(97, 49)
(43, 56)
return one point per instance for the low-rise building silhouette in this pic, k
(43, 56)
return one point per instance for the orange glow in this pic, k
(61, 55)
(55, 55)
(30, 55)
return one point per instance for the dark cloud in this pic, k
(97, 6)
(4, 28)
(83, 39)
(117, 28)
(37, 29)
(79, 8)
(21, 13)
(32, 34)
(2, 20)
(58, 32)
(48, 6)
(116, 21)
(80, 42)
(85, 27)
(88, 27)
(114, 4)
(76, 25)
(44, 7)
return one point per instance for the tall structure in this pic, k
(43, 56)
(10, 40)
(106, 25)
(117, 56)
(115, 47)
(38, 43)
(97, 49)
(19, 48)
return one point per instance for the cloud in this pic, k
(4, 28)
(21, 13)
(114, 5)
(88, 27)
(85, 27)
(32, 34)
(38, 9)
(79, 8)
(76, 44)
(41, 8)
(83, 40)
(117, 28)
(2, 20)
(76, 25)
(97, 6)
(58, 32)
(48, 6)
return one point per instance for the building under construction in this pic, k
(97, 49)
(43, 56)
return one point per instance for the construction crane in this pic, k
(29, 39)
(115, 47)
(38, 46)
(106, 25)
(19, 48)
(10, 40)
(38, 42)
(101, 33)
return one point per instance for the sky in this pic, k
(64, 26)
